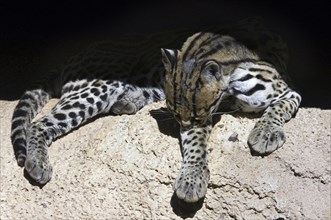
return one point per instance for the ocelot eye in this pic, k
(177, 116)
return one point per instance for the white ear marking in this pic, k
(172, 52)
(169, 58)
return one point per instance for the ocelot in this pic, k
(120, 77)
(211, 69)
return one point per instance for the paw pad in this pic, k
(39, 171)
(191, 184)
(264, 139)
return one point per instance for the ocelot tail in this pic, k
(121, 77)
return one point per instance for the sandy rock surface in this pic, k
(123, 167)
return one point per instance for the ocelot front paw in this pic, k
(266, 138)
(191, 184)
(40, 171)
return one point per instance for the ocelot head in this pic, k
(194, 85)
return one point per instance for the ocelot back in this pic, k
(121, 77)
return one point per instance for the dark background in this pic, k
(37, 37)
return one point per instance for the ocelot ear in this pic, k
(169, 58)
(212, 69)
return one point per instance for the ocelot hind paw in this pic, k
(40, 172)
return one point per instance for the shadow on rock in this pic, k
(184, 209)
(166, 122)
(32, 181)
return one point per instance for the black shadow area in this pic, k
(184, 209)
(36, 38)
(166, 122)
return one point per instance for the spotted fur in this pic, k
(92, 83)
(120, 77)
(210, 70)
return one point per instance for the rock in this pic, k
(123, 167)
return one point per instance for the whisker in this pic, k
(166, 119)
(162, 113)
(225, 112)
(163, 110)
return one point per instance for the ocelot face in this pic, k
(193, 88)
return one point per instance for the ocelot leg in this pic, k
(134, 98)
(268, 133)
(81, 100)
(192, 181)
(259, 87)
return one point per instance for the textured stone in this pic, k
(123, 167)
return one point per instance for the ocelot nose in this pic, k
(186, 124)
